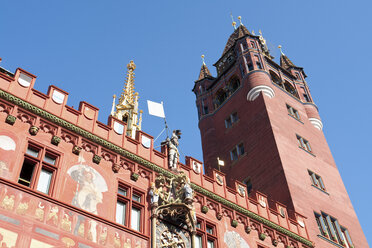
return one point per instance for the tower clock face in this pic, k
(170, 236)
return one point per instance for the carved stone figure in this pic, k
(154, 193)
(187, 191)
(173, 154)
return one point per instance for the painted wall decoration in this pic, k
(7, 152)
(89, 188)
(59, 227)
(7, 143)
(234, 240)
(7, 238)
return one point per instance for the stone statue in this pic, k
(154, 193)
(173, 154)
(187, 191)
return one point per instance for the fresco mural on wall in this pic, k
(59, 226)
(234, 240)
(7, 238)
(7, 149)
(89, 188)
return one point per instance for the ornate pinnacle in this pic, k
(128, 92)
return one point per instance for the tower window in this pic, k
(249, 62)
(39, 168)
(258, 62)
(253, 44)
(236, 152)
(330, 228)
(275, 78)
(233, 118)
(304, 144)
(204, 108)
(129, 208)
(316, 180)
(293, 112)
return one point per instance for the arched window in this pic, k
(234, 84)
(275, 78)
(289, 88)
(220, 97)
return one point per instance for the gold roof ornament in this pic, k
(127, 108)
(240, 20)
(203, 59)
(233, 22)
(280, 48)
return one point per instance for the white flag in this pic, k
(156, 109)
(221, 162)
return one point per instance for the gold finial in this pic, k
(141, 111)
(114, 96)
(233, 22)
(280, 48)
(253, 32)
(260, 32)
(203, 59)
(131, 66)
(240, 20)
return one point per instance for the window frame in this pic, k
(293, 112)
(131, 204)
(231, 120)
(317, 181)
(304, 144)
(39, 165)
(331, 230)
(238, 151)
(205, 235)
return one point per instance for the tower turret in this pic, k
(259, 118)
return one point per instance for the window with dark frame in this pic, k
(316, 180)
(293, 112)
(129, 207)
(206, 235)
(236, 152)
(330, 228)
(233, 118)
(304, 144)
(39, 168)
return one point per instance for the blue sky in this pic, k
(83, 47)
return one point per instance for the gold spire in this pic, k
(127, 108)
(128, 91)
(280, 48)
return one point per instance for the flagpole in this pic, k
(165, 121)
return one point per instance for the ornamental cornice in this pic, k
(100, 141)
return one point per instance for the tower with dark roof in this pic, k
(259, 117)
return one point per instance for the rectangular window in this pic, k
(316, 180)
(233, 118)
(293, 112)
(45, 179)
(121, 208)
(331, 229)
(206, 235)
(198, 241)
(304, 144)
(237, 151)
(135, 222)
(234, 154)
(39, 168)
(129, 207)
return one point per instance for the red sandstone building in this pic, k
(68, 180)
